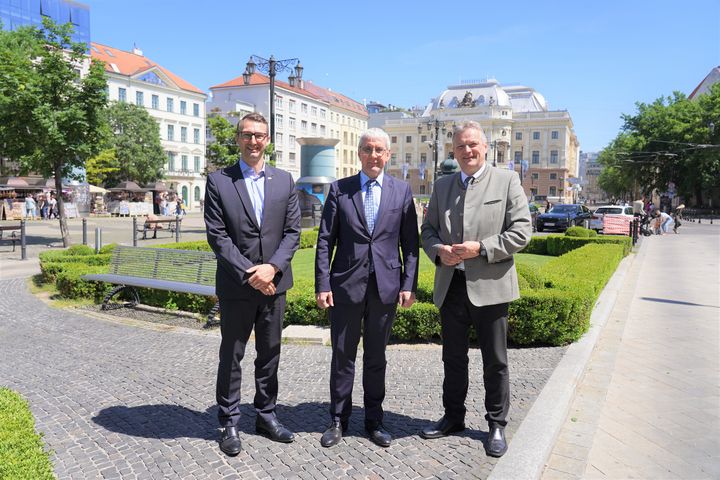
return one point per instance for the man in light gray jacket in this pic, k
(476, 220)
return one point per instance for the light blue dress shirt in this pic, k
(255, 184)
(376, 192)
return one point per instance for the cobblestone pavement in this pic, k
(118, 401)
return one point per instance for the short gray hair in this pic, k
(375, 134)
(470, 125)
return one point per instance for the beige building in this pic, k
(520, 127)
(178, 107)
(302, 109)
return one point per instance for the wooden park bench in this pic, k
(155, 225)
(186, 271)
(13, 234)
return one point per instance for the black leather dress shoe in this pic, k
(378, 434)
(496, 445)
(274, 430)
(230, 441)
(334, 433)
(442, 428)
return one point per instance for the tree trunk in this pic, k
(698, 196)
(61, 209)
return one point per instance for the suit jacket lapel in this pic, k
(239, 182)
(269, 191)
(356, 194)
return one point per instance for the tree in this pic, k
(51, 116)
(223, 151)
(102, 167)
(667, 142)
(135, 140)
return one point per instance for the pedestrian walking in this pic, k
(30, 207)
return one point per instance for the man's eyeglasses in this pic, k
(259, 136)
(370, 150)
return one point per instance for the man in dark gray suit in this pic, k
(476, 220)
(369, 220)
(253, 226)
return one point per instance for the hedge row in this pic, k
(554, 308)
(558, 244)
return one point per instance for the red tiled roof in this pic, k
(310, 90)
(131, 64)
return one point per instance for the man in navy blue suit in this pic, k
(253, 226)
(369, 220)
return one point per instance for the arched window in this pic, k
(196, 194)
(185, 195)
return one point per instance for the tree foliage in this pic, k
(51, 117)
(135, 140)
(102, 167)
(670, 141)
(223, 151)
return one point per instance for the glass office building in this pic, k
(16, 13)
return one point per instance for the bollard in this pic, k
(586, 223)
(23, 243)
(84, 220)
(134, 231)
(98, 239)
(177, 229)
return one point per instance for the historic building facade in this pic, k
(302, 109)
(523, 135)
(178, 107)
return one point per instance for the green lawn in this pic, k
(22, 455)
(303, 263)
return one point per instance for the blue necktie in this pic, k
(369, 205)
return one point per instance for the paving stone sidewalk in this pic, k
(119, 401)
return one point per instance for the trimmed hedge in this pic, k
(581, 232)
(308, 238)
(554, 308)
(537, 246)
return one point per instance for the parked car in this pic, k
(563, 216)
(534, 212)
(596, 221)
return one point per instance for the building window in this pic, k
(291, 106)
(535, 156)
(533, 192)
(535, 176)
(408, 139)
(504, 113)
(291, 140)
(291, 123)
(278, 102)
(303, 126)
(279, 156)
(322, 130)
(183, 134)
(196, 135)
(408, 158)
(184, 163)
(554, 135)
(140, 99)
(345, 140)
(553, 156)
(183, 107)
(196, 109)
(291, 157)
(552, 191)
(518, 135)
(278, 120)
(303, 108)
(278, 139)
(423, 138)
(322, 113)
(155, 102)
(423, 158)
(393, 159)
(196, 193)
(553, 176)
(122, 95)
(536, 135)
(171, 132)
(313, 111)
(422, 189)
(170, 104)
(196, 161)
(518, 156)
(313, 128)
(171, 161)
(393, 139)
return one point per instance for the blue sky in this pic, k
(595, 59)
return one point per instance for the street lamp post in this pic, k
(271, 67)
(438, 126)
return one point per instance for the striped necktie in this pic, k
(369, 205)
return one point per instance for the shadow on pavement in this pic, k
(175, 421)
(677, 302)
